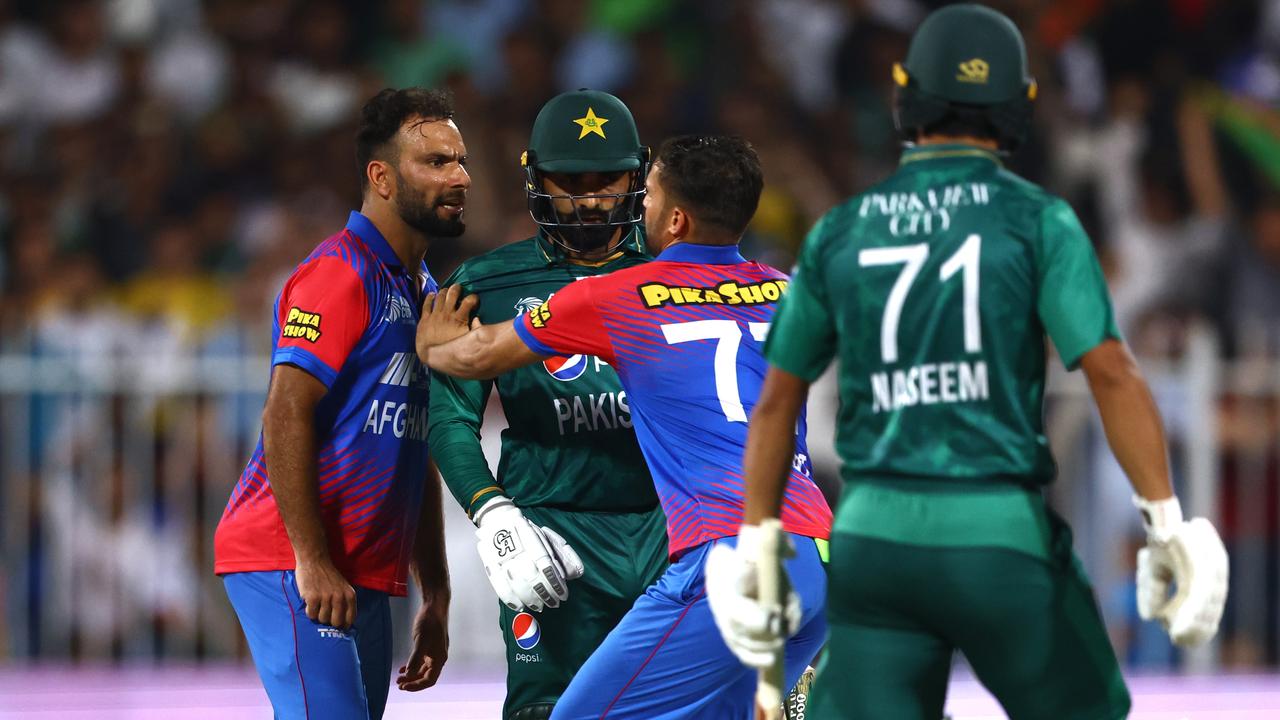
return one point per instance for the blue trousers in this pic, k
(310, 670)
(666, 660)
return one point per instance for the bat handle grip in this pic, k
(769, 689)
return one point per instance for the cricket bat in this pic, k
(772, 596)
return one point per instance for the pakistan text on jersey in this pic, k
(404, 420)
(655, 295)
(606, 411)
(929, 384)
(922, 213)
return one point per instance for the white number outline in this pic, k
(912, 258)
(728, 337)
(968, 257)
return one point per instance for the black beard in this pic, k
(586, 238)
(420, 215)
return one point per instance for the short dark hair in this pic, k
(382, 116)
(717, 178)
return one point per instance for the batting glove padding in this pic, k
(1190, 557)
(754, 632)
(528, 566)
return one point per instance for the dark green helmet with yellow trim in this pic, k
(966, 62)
(585, 131)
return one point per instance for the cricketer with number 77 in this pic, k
(685, 333)
(937, 305)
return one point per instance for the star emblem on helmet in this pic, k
(591, 124)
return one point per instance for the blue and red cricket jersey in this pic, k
(347, 315)
(686, 336)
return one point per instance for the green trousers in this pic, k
(622, 553)
(1025, 619)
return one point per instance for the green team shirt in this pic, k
(936, 289)
(570, 443)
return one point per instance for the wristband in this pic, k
(1159, 517)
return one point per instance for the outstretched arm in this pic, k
(449, 341)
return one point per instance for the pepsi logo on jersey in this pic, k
(526, 631)
(566, 369)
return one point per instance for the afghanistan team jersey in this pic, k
(936, 289)
(686, 334)
(569, 442)
(347, 315)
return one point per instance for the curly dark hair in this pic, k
(384, 114)
(717, 178)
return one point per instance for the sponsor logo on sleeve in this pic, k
(656, 295)
(301, 324)
(540, 316)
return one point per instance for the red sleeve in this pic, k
(322, 314)
(567, 324)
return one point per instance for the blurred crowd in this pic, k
(165, 163)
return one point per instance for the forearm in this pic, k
(771, 444)
(466, 472)
(469, 356)
(483, 353)
(289, 446)
(457, 412)
(1133, 428)
(430, 565)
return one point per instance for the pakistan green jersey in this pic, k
(569, 442)
(935, 289)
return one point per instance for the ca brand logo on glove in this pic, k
(505, 543)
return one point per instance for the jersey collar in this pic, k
(684, 252)
(957, 151)
(363, 228)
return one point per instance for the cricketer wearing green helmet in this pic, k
(572, 495)
(965, 72)
(584, 172)
(936, 289)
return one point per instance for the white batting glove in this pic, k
(1190, 556)
(528, 566)
(753, 632)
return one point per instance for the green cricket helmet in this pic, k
(966, 60)
(580, 132)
